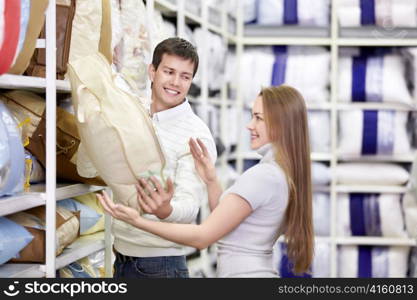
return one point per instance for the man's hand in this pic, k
(155, 200)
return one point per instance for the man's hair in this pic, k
(175, 46)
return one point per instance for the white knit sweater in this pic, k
(174, 128)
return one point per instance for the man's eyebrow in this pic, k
(172, 69)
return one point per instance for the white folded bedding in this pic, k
(373, 132)
(370, 215)
(371, 174)
(373, 261)
(295, 12)
(373, 78)
(385, 13)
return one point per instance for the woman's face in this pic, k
(257, 126)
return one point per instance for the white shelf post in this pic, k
(50, 139)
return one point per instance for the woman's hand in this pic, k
(118, 211)
(202, 161)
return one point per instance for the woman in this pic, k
(267, 200)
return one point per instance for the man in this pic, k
(140, 254)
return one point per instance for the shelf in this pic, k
(377, 36)
(37, 197)
(193, 7)
(305, 41)
(214, 28)
(405, 158)
(213, 101)
(253, 155)
(319, 106)
(317, 239)
(375, 106)
(380, 241)
(214, 20)
(299, 32)
(376, 42)
(315, 156)
(370, 189)
(36, 84)
(364, 240)
(65, 191)
(21, 271)
(245, 155)
(321, 189)
(191, 18)
(217, 101)
(23, 201)
(82, 247)
(166, 6)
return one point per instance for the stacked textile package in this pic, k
(23, 233)
(385, 13)
(12, 155)
(380, 174)
(216, 50)
(373, 132)
(371, 215)
(411, 55)
(91, 266)
(373, 261)
(361, 214)
(265, 66)
(321, 212)
(372, 75)
(287, 12)
(319, 130)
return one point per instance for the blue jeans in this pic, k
(150, 267)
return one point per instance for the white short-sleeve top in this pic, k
(247, 250)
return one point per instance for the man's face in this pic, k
(171, 81)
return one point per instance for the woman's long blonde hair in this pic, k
(286, 120)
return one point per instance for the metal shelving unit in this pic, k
(47, 194)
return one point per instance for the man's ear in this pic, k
(151, 72)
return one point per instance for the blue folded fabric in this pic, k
(13, 238)
(88, 216)
(12, 174)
